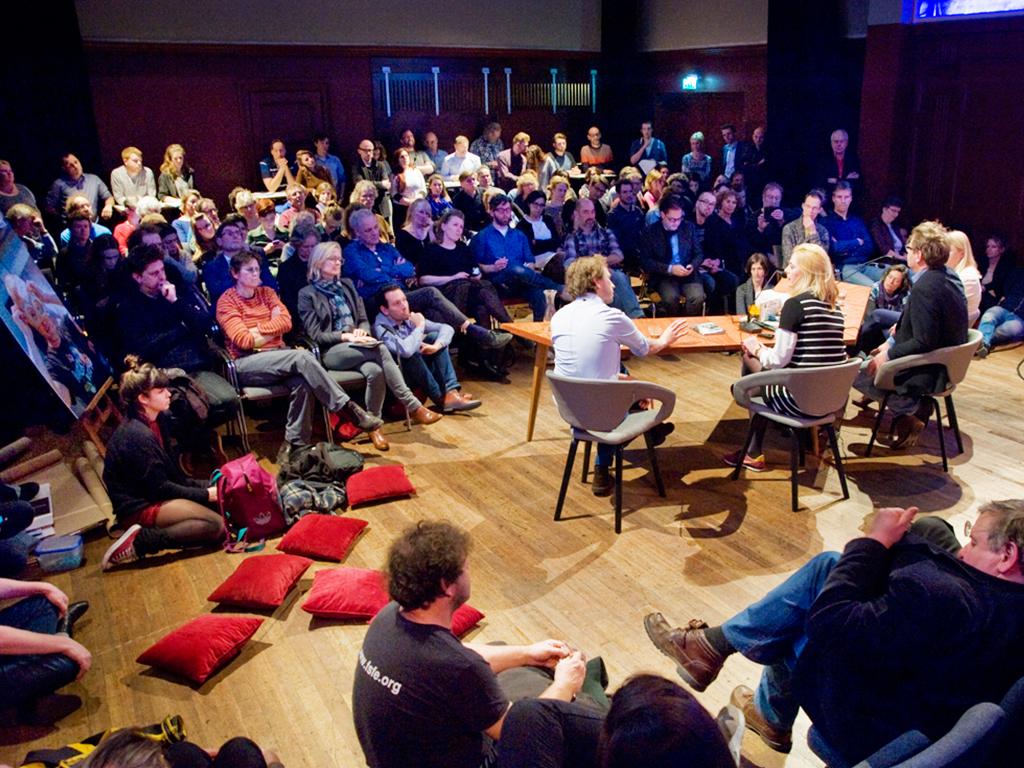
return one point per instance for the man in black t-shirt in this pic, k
(421, 696)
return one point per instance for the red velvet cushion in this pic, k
(323, 537)
(378, 483)
(357, 593)
(199, 648)
(262, 581)
(346, 593)
(464, 619)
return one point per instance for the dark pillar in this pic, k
(814, 82)
(625, 82)
(47, 103)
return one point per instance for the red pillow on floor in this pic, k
(201, 647)
(346, 593)
(261, 582)
(358, 593)
(378, 483)
(323, 537)
(464, 619)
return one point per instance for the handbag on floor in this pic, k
(247, 499)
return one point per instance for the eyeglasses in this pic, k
(969, 526)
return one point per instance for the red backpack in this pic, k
(247, 497)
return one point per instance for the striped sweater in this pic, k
(238, 315)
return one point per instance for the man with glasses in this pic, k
(505, 258)
(935, 316)
(905, 630)
(376, 171)
(671, 256)
(216, 272)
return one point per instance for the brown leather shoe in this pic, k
(379, 441)
(424, 416)
(698, 663)
(457, 401)
(908, 429)
(779, 739)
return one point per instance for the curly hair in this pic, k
(422, 559)
(583, 273)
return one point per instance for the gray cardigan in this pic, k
(315, 312)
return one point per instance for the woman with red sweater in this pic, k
(254, 321)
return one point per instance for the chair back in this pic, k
(600, 405)
(954, 359)
(822, 390)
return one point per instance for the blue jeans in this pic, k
(1000, 326)
(28, 677)
(624, 298)
(523, 281)
(771, 632)
(862, 274)
(435, 373)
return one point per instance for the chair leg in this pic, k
(586, 461)
(954, 425)
(618, 489)
(569, 459)
(942, 436)
(834, 442)
(794, 470)
(652, 456)
(327, 427)
(743, 450)
(878, 423)
(243, 428)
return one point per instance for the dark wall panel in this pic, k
(942, 105)
(735, 80)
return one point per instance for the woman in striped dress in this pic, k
(810, 335)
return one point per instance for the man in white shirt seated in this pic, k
(586, 336)
(461, 160)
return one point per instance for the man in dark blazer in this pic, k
(935, 317)
(671, 256)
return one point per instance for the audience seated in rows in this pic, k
(334, 316)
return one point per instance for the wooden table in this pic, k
(853, 302)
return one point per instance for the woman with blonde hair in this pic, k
(417, 232)
(810, 335)
(696, 162)
(961, 261)
(176, 178)
(364, 195)
(334, 316)
(654, 185)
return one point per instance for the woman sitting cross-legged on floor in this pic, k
(810, 335)
(159, 506)
(334, 316)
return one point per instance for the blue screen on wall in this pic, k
(959, 8)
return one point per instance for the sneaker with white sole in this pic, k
(754, 464)
(122, 551)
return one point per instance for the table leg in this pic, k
(540, 363)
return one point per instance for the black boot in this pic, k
(365, 421)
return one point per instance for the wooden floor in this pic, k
(708, 549)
